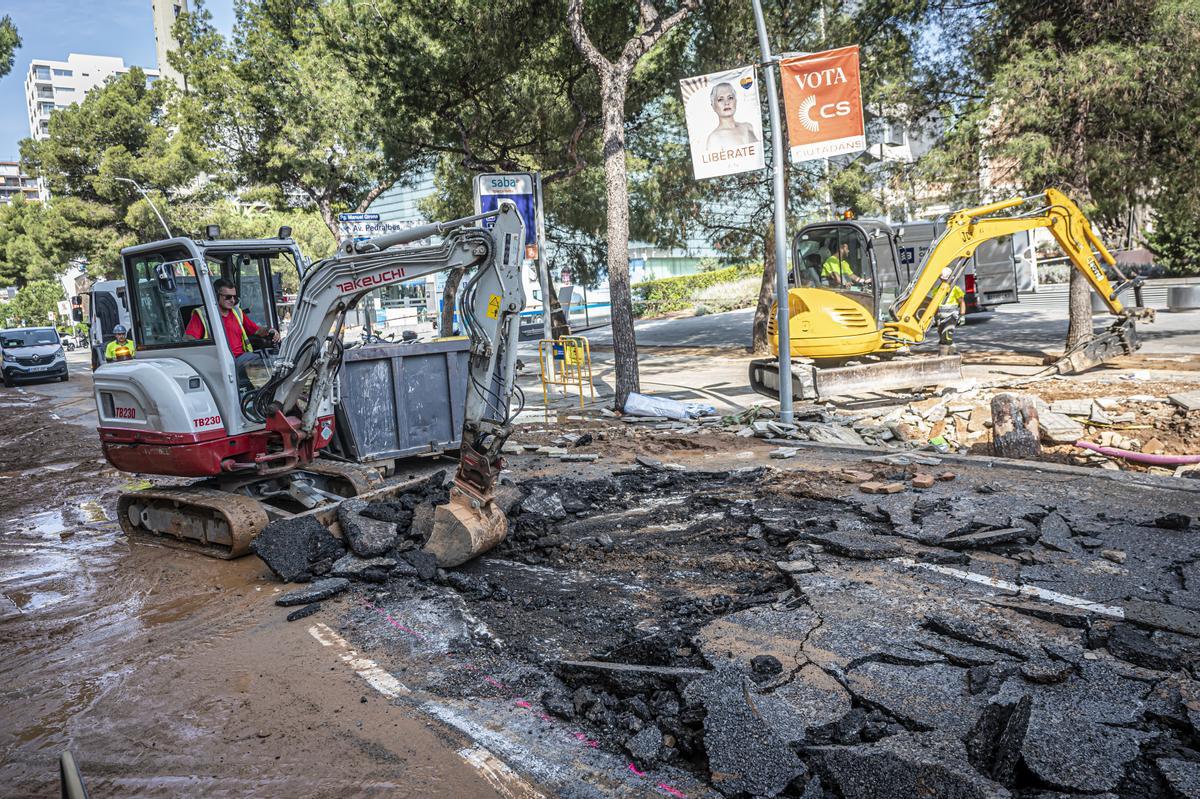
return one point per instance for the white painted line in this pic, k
(506, 781)
(495, 771)
(1022, 590)
(512, 750)
(366, 668)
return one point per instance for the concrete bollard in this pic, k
(1183, 298)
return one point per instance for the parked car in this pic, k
(32, 353)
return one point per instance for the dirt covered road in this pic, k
(682, 616)
(167, 673)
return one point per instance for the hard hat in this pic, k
(118, 329)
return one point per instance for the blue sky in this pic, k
(53, 28)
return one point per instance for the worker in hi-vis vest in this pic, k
(950, 314)
(238, 326)
(122, 348)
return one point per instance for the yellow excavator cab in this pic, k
(843, 278)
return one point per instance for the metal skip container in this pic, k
(400, 400)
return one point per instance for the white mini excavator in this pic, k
(183, 407)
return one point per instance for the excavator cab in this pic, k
(845, 279)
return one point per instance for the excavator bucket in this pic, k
(465, 527)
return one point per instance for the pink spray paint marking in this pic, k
(522, 703)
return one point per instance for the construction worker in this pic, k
(836, 269)
(121, 348)
(950, 314)
(238, 326)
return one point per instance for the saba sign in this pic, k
(520, 187)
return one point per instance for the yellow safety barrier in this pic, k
(565, 361)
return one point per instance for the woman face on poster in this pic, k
(729, 133)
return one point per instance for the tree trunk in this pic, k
(325, 208)
(766, 293)
(1081, 327)
(1079, 305)
(449, 295)
(617, 192)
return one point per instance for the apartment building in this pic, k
(51, 85)
(14, 182)
(166, 12)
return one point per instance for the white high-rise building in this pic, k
(51, 85)
(165, 13)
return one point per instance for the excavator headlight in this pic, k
(212, 232)
(285, 232)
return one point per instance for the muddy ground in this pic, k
(706, 622)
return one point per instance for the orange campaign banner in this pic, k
(823, 103)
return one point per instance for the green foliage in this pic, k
(1175, 243)
(33, 304)
(280, 104)
(655, 297)
(9, 42)
(1096, 98)
(123, 129)
(32, 237)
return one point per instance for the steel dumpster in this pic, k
(400, 400)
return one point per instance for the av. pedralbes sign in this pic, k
(823, 103)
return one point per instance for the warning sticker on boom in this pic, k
(493, 311)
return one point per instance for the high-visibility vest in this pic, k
(953, 296)
(237, 312)
(116, 351)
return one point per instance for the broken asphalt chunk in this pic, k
(745, 756)
(296, 548)
(860, 546)
(1173, 521)
(986, 538)
(924, 764)
(304, 612)
(314, 592)
(1182, 775)
(366, 537)
(1133, 646)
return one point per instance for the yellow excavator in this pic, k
(853, 300)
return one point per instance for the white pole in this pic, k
(781, 262)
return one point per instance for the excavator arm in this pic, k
(914, 311)
(304, 374)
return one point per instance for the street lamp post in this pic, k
(781, 264)
(150, 202)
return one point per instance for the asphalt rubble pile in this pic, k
(381, 540)
(772, 637)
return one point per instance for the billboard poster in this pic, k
(724, 121)
(823, 103)
(516, 186)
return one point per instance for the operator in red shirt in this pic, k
(238, 326)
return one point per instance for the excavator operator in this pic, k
(836, 268)
(238, 326)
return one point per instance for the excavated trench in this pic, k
(766, 637)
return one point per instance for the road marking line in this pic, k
(494, 770)
(366, 668)
(506, 781)
(1022, 590)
